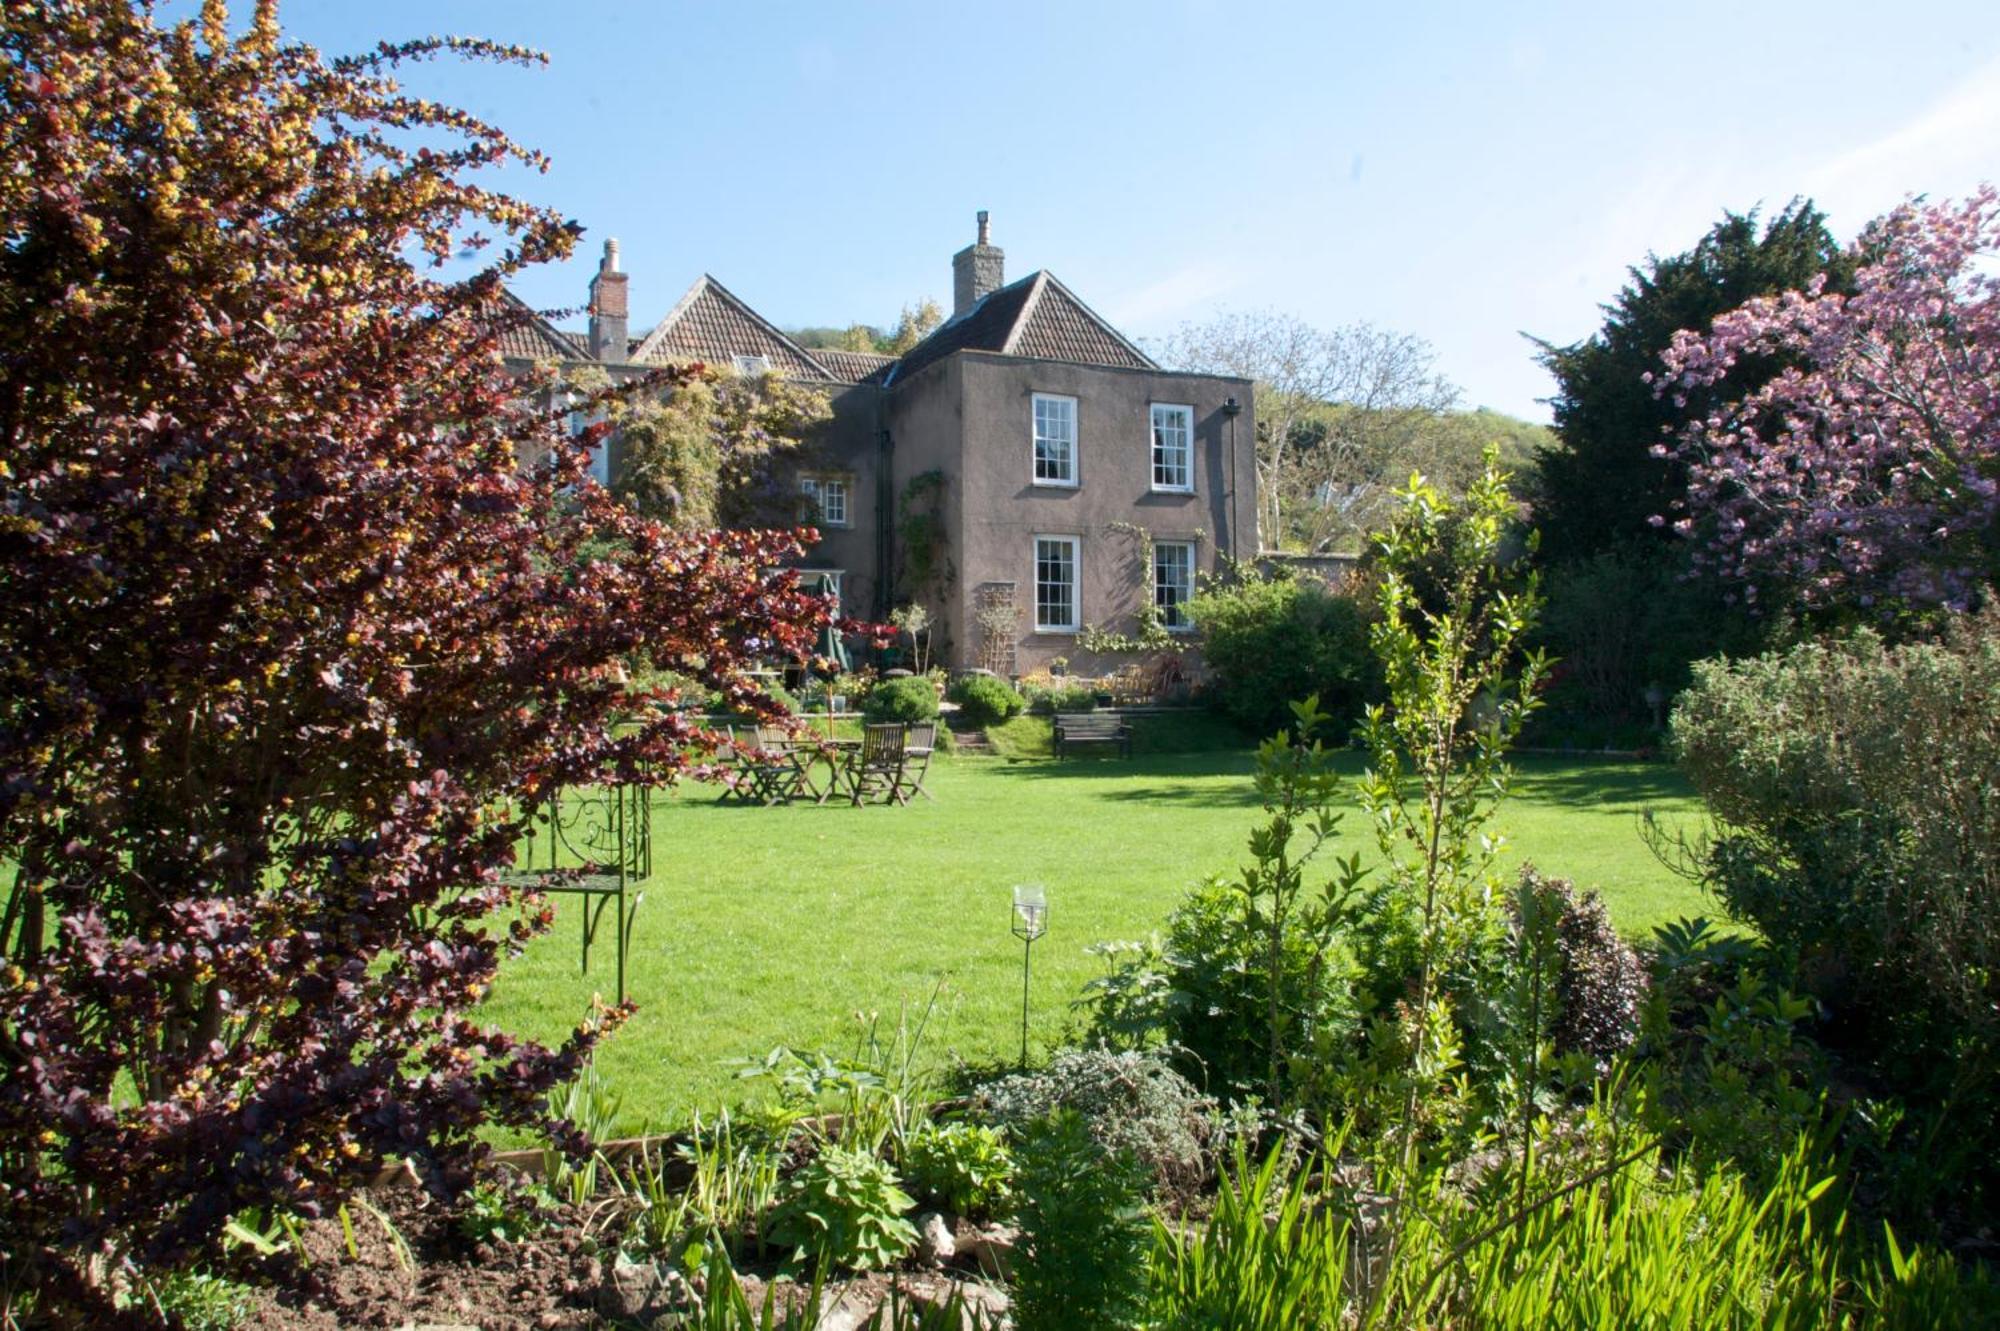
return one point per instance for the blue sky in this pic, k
(1466, 172)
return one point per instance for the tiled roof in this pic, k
(529, 337)
(711, 325)
(1036, 316)
(1055, 325)
(853, 367)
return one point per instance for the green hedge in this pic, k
(1271, 641)
(906, 700)
(985, 700)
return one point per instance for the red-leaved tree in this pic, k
(1867, 472)
(288, 637)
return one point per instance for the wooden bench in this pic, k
(1073, 728)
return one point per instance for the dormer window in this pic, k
(752, 366)
(1173, 447)
(1055, 440)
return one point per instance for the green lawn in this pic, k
(769, 926)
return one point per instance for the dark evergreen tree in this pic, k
(1599, 484)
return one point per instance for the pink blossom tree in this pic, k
(1865, 472)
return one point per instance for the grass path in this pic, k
(775, 926)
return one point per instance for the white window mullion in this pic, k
(1054, 437)
(1173, 447)
(1056, 577)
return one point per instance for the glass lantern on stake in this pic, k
(1030, 921)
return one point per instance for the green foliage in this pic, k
(705, 452)
(907, 699)
(1271, 640)
(1599, 980)
(198, 1301)
(1854, 783)
(711, 1198)
(1449, 647)
(725, 1306)
(964, 1167)
(494, 1212)
(1272, 1256)
(845, 1209)
(1204, 991)
(912, 326)
(1133, 1102)
(1084, 1232)
(1624, 620)
(1600, 483)
(1046, 699)
(1731, 1077)
(984, 700)
(854, 337)
(924, 538)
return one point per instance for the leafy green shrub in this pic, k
(964, 1167)
(1045, 700)
(1268, 641)
(493, 1212)
(1599, 979)
(906, 700)
(1134, 1103)
(845, 1209)
(1732, 1078)
(1854, 783)
(199, 1301)
(985, 700)
(1084, 1232)
(1618, 623)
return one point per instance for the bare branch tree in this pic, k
(1336, 409)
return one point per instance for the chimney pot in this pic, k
(985, 229)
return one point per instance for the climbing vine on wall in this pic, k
(1153, 635)
(920, 527)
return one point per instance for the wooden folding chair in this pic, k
(918, 745)
(877, 766)
(766, 769)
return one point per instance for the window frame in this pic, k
(1190, 547)
(1075, 544)
(1154, 450)
(1075, 468)
(813, 485)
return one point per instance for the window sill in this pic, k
(1042, 632)
(1057, 485)
(1173, 489)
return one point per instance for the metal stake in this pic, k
(1029, 922)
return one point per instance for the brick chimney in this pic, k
(608, 324)
(977, 271)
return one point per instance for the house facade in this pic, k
(1027, 473)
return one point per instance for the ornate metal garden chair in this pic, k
(594, 843)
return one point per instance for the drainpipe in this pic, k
(1232, 409)
(885, 513)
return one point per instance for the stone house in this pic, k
(1026, 472)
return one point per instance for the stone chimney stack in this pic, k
(977, 271)
(608, 320)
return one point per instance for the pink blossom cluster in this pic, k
(1864, 473)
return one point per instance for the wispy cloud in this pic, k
(1180, 294)
(1945, 149)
